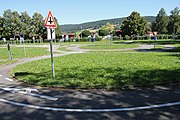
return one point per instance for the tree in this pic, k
(103, 32)
(161, 22)
(174, 23)
(106, 29)
(1, 26)
(117, 27)
(25, 24)
(58, 29)
(85, 33)
(135, 25)
(11, 24)
(37, 25)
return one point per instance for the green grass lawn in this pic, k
(106, 44)
(103, 70)
(5, 62)
(18, 52)
(177, 47)
(114, 46)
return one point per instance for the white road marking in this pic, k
(27, 91)
(13, 90)
(9, 79)
(37, 95)
(89, 110)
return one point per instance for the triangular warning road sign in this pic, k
(50, 21)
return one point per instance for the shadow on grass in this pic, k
(101, 77)
(165, 42)
(166, 49)
(176, 49)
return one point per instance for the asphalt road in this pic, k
(69, 104)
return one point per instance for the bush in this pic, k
(84, 40)
(85, 33)
(127, 37)
(77, 40)
(103, 32)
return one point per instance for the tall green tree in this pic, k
(103, 32)
(11, 24)
(106, 29)
(109, 27)
(161, 22)
(85, 33)
(1, 26)
(174, 24)
(25, 24)
(135, 25)
(37, 26)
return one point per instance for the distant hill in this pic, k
(97, 24)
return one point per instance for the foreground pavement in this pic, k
(20, 101)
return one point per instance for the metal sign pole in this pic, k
(52, 59)
(24, 48)
(92, 40)
(9, 51)
(51, 23)
(155, 38)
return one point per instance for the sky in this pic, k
(80, 11)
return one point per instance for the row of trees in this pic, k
(167, 24)
(14, 24)
(137, 25)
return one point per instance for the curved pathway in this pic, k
(18, 100)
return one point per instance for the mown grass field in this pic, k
(103, 70)
(4, 62)
(18, 52)
(107, 44)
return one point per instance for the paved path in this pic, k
(51, 103)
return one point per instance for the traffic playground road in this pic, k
(17, 102)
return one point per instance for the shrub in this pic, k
(103, 32)
(85, 33)
(127, 37)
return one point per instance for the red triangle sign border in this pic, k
(46, 22)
